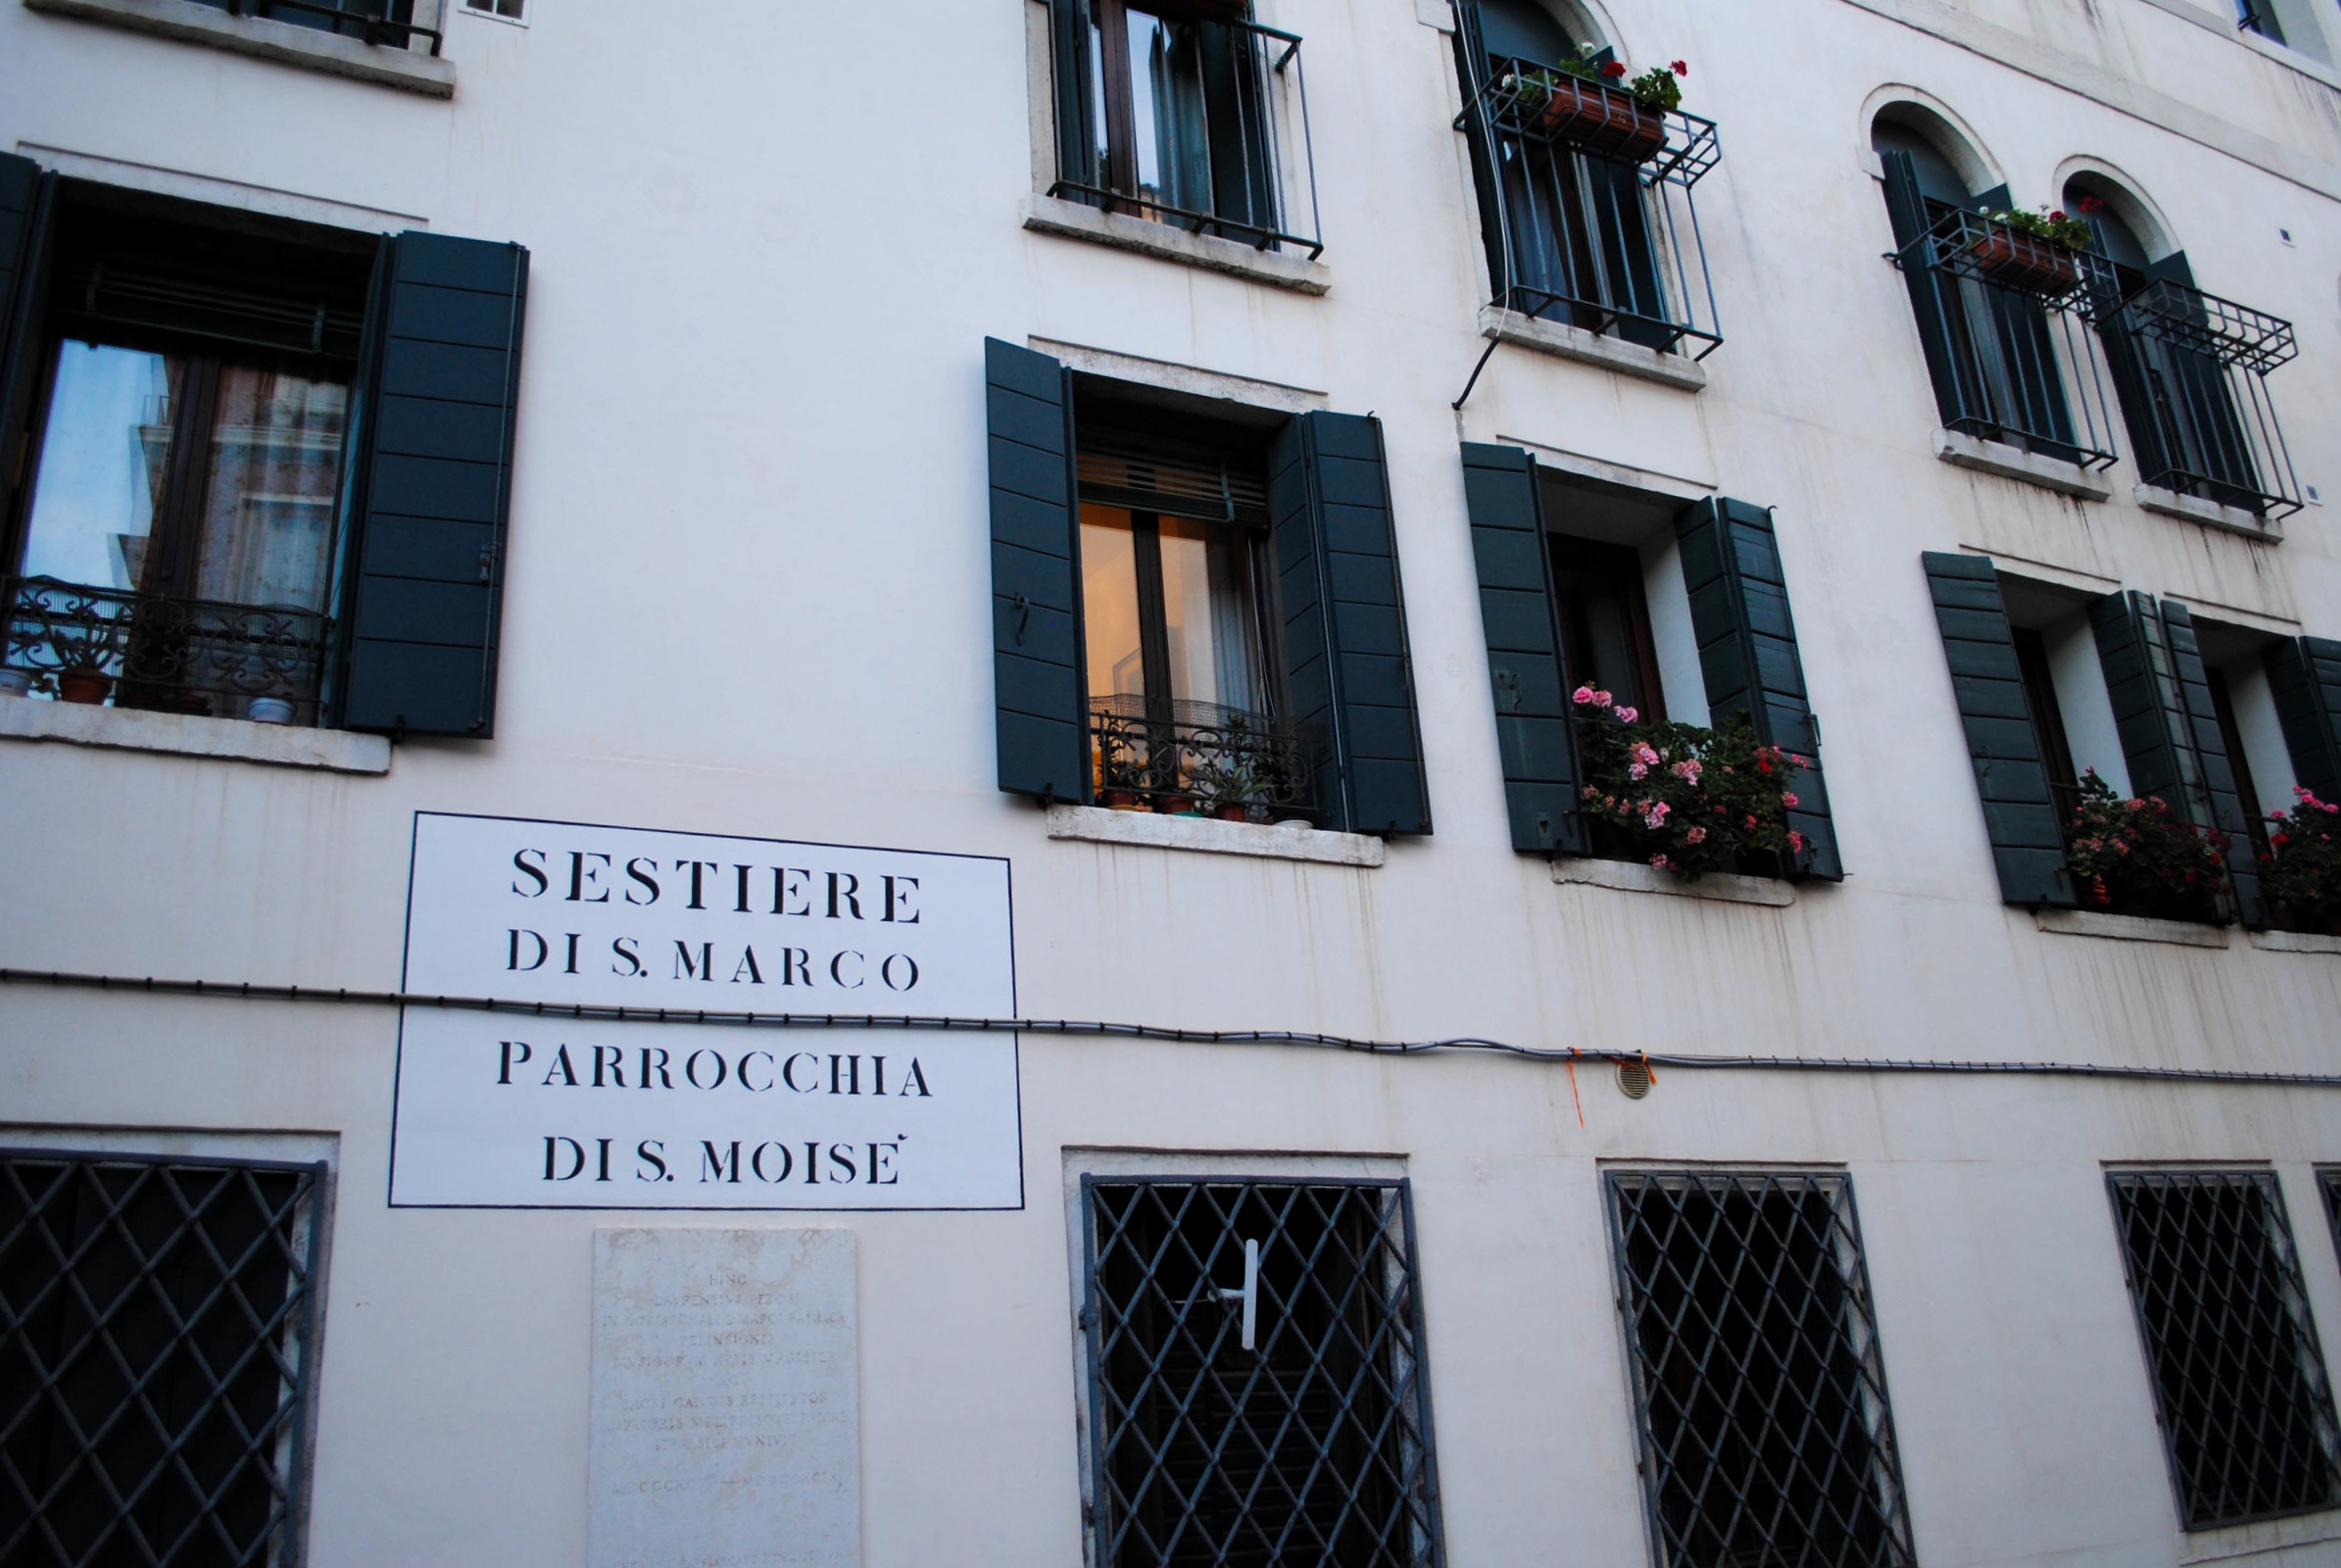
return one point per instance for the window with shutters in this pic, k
(1759, 1388)
(1256, 1393)
(1587, 209)
(156, 1356)
(1178, 628)
(263, 466)
(175, 545)
(2003, 318)
(2231, 1350)
(1186, 112)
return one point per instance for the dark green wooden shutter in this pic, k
(423, 605)
(1036, 576)
(1905, 208)
(2305, 677)
(1747, 653)
(1078, 132)
(26, 193)
(1347, 670)
(1533, 730)
(2169, 733)
(2019, 812)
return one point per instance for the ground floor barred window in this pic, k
(1759, 1391)
(154, 1326)
(2239, 1380)
(1256, 1389)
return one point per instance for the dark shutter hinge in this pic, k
(487, 562)
(1023, 617)
(1086, 1319)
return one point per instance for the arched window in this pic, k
(2195, 427)
(1999, 311)
(1583, 191)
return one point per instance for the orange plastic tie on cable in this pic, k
(1573, 1095)
(1649, 1071)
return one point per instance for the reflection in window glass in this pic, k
(1110, 602)
(1170, 133)
(1205, 612)
(103, 455)
(268, 516)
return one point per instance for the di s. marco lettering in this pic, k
(842, 969)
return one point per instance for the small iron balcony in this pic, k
(178, 655)
(1197, 757)
(374, 22)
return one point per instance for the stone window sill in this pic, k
(336, 751)
(2129, 928)
(2194, 509)
(1287, 841)
(1628, 877)
(265, 39)
(1965, 450)
(2294, 942)
(1591, 348)
(1048, 214)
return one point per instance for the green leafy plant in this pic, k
(2048, 224)
(2138, 857)
(1682, 798)
(2302, 880)
(1660, 87)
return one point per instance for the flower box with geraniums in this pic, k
(2034, 251)
(2138, 857)
(1683, 799)
(1591, 105)
(2300, 880)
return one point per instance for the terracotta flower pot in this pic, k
(1602, 120)
(1118, 800)
(1175, 805)
(2020, 260)
(1232, 811)
(87, 686)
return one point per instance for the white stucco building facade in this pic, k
(748, 529)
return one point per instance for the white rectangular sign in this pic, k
(497, 1109)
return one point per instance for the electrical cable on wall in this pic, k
(1563, 1054)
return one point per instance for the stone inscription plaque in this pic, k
(726, 1410)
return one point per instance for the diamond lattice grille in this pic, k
(154, 1320)
(1767, 1441)
(1311, 1450)
(2239, 1381)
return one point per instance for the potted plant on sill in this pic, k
(2137, 856)
(1231, 788)
(2038, 251)
(2302, 880)
(1591, 105)
(1682, 798)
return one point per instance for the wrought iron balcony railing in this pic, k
(1585, 202)
(2014, 361)
(180, 656)
(1228, 150)
(1197, 757)
(374, 22)
(2192, 373)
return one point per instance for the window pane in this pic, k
(1171, 132)
(267, 516)
(1206, 607)
(102, 462)
(1110, 602)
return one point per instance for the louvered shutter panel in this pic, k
(1747, 653)
(2305, 678)
(423, 605)
(1905, 208)
(25, 196)
(1036, 607)
(1347, 669)
(1532, 731)
(2018, 813)
(2169, 733)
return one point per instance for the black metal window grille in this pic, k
(2239, 1380)
(1601, 235)
(1312, 1448)
(156, 1318)
(1765, 1432)
(153, 651)
(2191, 369)
(2020, 366)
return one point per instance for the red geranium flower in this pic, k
(1679, 69)
(1613, 69)
(2090, 204)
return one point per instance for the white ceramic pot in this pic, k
(269, 710)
